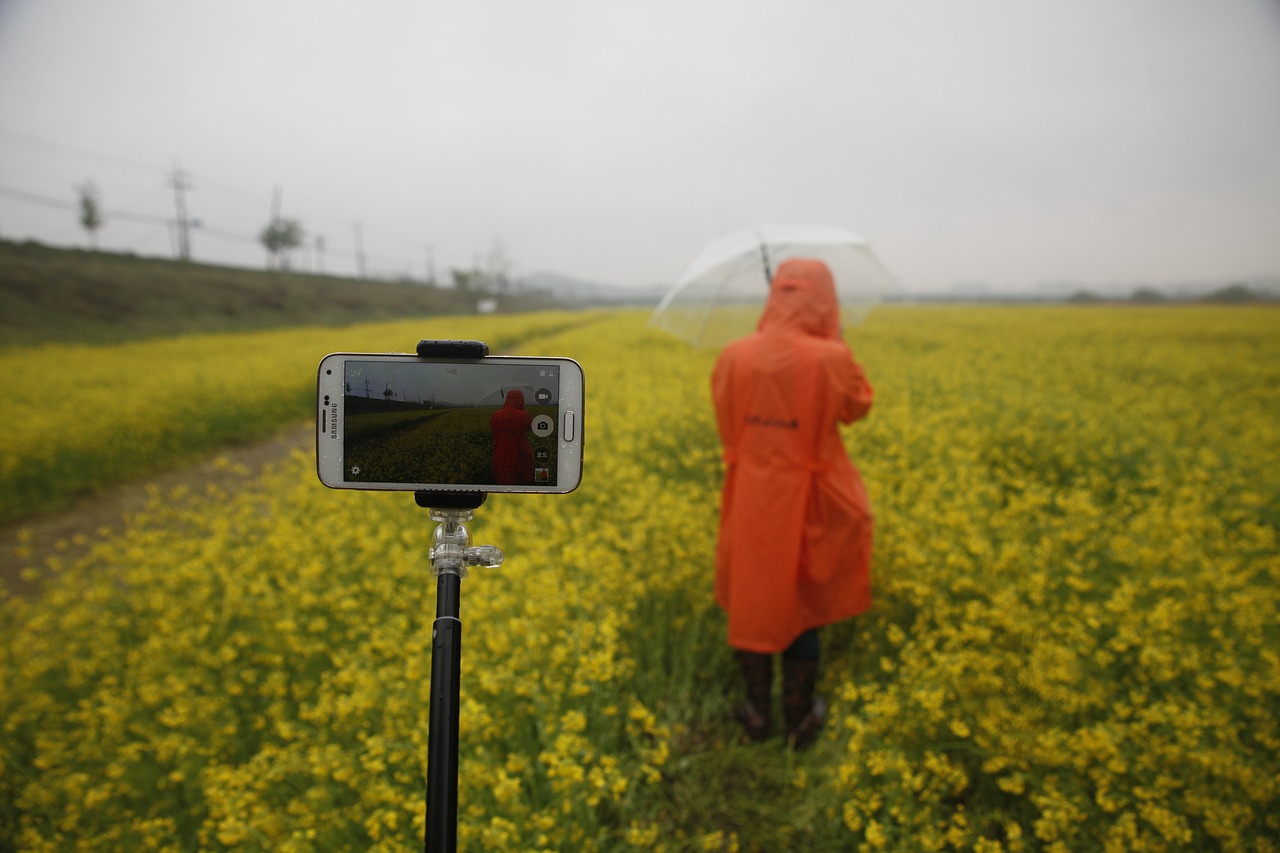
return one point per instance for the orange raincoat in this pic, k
(794, 548)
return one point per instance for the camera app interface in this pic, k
(451, 424)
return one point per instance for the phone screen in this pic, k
(473, 424)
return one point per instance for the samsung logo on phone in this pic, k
(333, 422)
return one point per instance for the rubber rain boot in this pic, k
(804, 712)
(757, 672)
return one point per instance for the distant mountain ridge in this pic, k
(1263, 287)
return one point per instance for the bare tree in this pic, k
(90, 211)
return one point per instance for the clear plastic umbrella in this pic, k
(721, 294)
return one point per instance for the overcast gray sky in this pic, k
(1009, 142)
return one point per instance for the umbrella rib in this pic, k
(719, 288)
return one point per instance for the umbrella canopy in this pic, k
(721, 294)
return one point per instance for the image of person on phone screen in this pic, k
(794, 545)
(512, 453)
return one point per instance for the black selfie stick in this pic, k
(451, 554)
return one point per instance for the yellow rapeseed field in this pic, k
(85, 416)
(1073, 646)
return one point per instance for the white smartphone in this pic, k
(396, 421)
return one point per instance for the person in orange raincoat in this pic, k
(794, 547)
(512, 454)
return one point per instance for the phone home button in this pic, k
(568, 426)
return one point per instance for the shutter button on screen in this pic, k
(543, 425)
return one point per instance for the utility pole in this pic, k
(275, 217)
(359, 252)
(178, 180)
(431, 265)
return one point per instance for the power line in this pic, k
(128, 216)
(38, 141)
(227, 235)
(146, 237)
(48, 201)
(41, 142)
(362, 258)
(135, 217)
(35, 198)
(179, 181)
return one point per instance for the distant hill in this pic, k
(1248, 289)
(1260, 287)
(69, 295)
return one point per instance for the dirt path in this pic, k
(70, 532)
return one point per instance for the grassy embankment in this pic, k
(68, 296)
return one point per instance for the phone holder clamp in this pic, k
(451, 549)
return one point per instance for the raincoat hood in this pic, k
(802, 299)
(515, 400)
